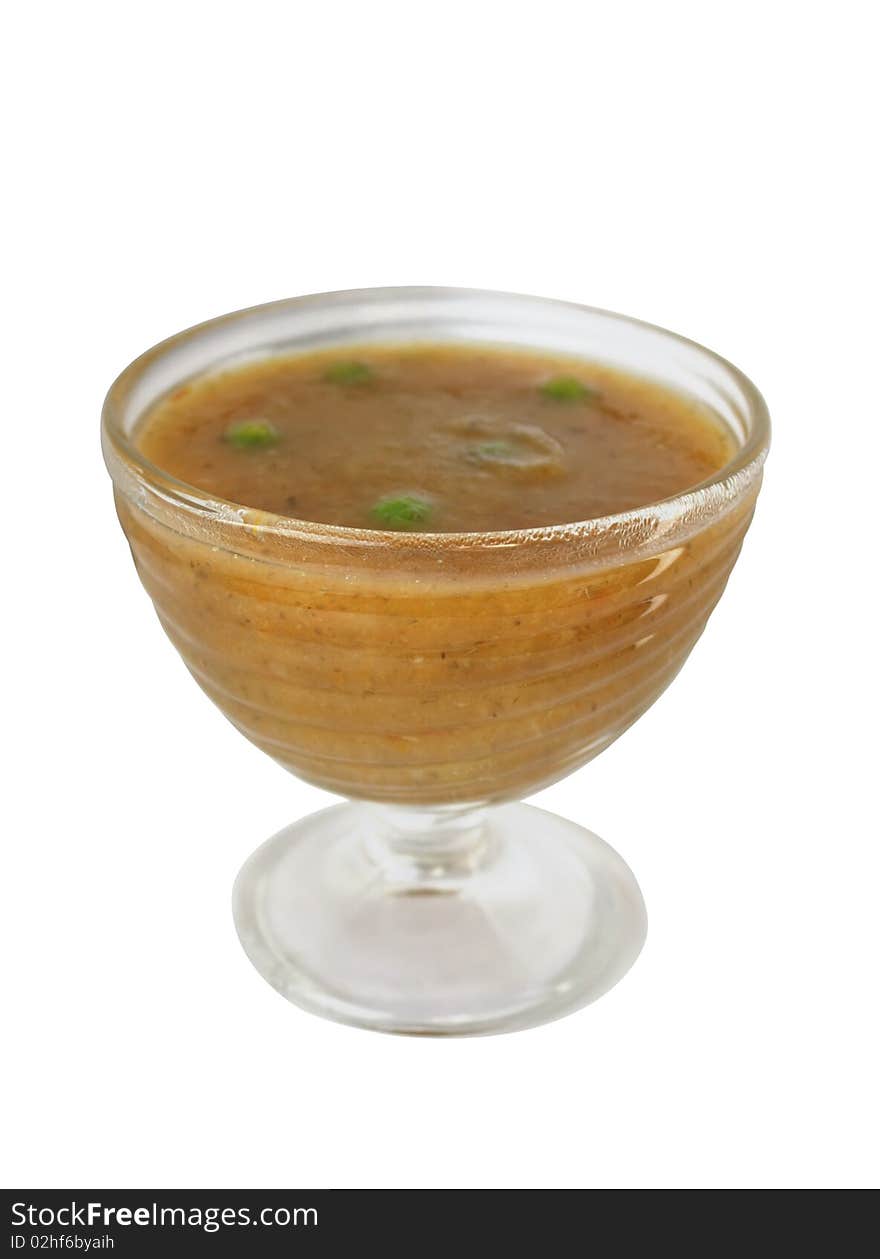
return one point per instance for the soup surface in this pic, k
(434, 438)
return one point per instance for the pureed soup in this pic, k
(433, 438)
(428, 666)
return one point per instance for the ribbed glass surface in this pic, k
(376, 684)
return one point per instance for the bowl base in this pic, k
(467, 923)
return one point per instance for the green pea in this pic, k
(348, 373)
(401, 511)
(568, 389)
(252, 434)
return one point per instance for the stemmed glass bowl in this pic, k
(435, 679)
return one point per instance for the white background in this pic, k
(704, 166)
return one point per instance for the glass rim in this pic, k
(700, 502)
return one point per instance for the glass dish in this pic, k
(435, 679)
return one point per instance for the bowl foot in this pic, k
(443, 922)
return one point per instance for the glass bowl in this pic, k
(435, 679)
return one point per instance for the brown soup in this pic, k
(435, 438)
